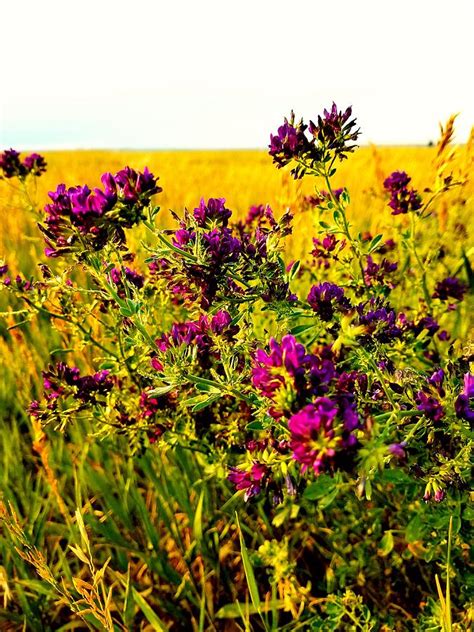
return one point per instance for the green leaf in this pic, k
(254, 425)
(328, 499)
(205, 403)
(386, 544)
(299, 329)
(154, 620)
(374, 243)
(160, 390)
(234, 610)
(294, 270)
(248, 569)
(197, 523)
(415, 529)
(323, 486)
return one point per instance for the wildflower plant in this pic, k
(326, 403)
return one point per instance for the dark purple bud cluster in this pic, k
(212, 213)
(62, 381)
(402, 198)
(119, 276)
(451, 287)
(464, 404)
(332, 136)
(328, 298)
(198, 333)
(376, 273)
(380, 321)
(80, 218)
(335, 130)
(12, 167)
(429, 405)
(18, 283)
(289, 142)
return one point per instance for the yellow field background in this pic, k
(244, 178)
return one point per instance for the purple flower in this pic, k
(380, 321)
(289, 142)
(313, 439)
(12, 166)
(251, 480)
(436, 381)
(429, 406)
(35, 164)
(289, 356)
(63, 379)
(259, 215)
(135, 185)
(444, 335)
(450, 288)
(198, 333)
(220, 321)
(402, 199)
(464, 404)
(221, 246)
(428, 323)
(326, 298)
(214, 212)
(99, 215)
(397, 449)
(376, 273)
(3, 269)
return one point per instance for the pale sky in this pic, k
(223, 74)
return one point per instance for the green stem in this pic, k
(418, 259)
(95, 342)
(346, 229)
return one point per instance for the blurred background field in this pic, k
(243, 177)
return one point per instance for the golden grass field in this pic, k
(244, 178)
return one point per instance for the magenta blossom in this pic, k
(251, 480)
(313, 438)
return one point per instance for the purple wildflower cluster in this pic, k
(316, 435)
(318, 399)
(464, 404)
(94, 217)
(198, 333)
(290, 377)
(451, 287)
(335, 131)
(214, 254)
(380, 321)
(402, 198)
(326, 249)
(251, 480)
(380, 273)
(332, 135)
(12, 167)
(326, 299)
(62, 381)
